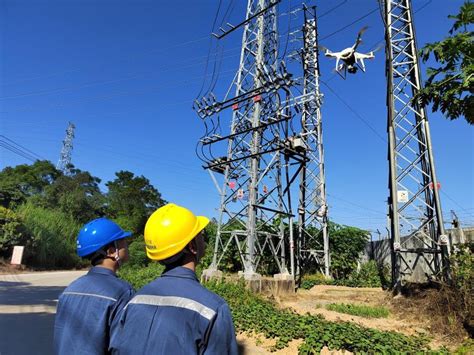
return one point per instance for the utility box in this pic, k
(296, 144)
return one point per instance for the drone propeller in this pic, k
(361, 32)
(322, 48)
(379, 47)
(359, 36)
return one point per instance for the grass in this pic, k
(359, 310)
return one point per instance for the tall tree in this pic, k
(131, 199)
(77, 195)
(23, 181)
(450, 86)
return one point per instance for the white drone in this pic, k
(351, 60)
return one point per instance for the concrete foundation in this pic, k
(279, 284)
(211, 274)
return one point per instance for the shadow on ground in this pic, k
(26, 333)
(21, 293)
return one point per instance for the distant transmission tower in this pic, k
(419, 245)
(273, 150)
(64, 162)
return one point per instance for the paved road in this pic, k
(27, 308)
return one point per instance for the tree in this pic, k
(345, 244)
(450, 86)
(131, 199)
(23, 181)
(77, 195)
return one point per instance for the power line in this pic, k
(17, 151)
(355, 112)
(454, 201)
(116, 80)
(211, 41)
(350, 24)
(22, 147)
(161, 51)
(331, 9)
(355, 204)
(102, 97)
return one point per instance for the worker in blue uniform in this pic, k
(175, 314)
(87, 309)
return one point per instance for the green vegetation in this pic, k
(51, 240)
(345, 245)
(11, 230)
(310, 280)
(131, 199)
(139, 276)
(455, 301)
(252, 313)
(466, 348)
(449, 86)
(359, 310)
(43, 209)
(369, 275)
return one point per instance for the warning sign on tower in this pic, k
(402, 196)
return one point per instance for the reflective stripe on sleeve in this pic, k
(89, 294)
(173, 301)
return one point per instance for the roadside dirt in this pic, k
(404, 320)
(251, 344)
(6, 268)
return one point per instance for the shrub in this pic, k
(11, 232)
(139, 276)
(51, 237)
(308, 281)
(458, 296)
(359, 310)
(369, 275)
(346, 244)
(137, 253)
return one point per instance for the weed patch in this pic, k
(359, 310)
(252, 313)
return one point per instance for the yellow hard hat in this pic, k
(169, 229)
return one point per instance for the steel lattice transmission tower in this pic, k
(419, 245)
(312, 209)
(64, 162)
(275, 138)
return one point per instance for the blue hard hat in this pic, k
(97, 234)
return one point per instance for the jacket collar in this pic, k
(180, 271)
(101, 271)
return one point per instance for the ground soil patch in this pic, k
(407, 316)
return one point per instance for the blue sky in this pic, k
(126, 73)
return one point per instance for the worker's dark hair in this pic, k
(97, 257)
(178, 259)
(174, 261)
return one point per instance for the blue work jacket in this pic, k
(87, 311)
(175, 314)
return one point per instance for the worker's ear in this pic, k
(111, 250)
(191, 248)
